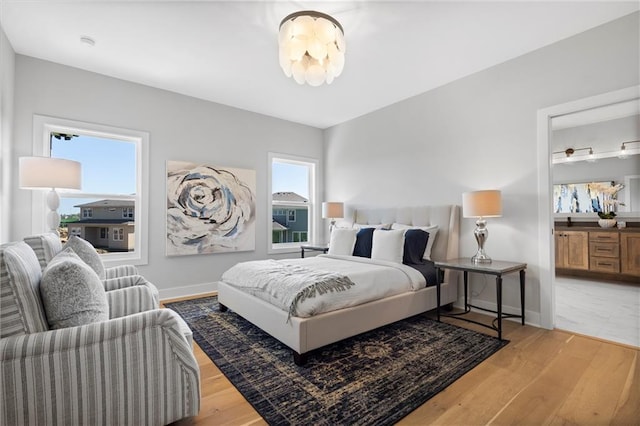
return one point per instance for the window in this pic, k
(293, 202)
(114, 179)
(118, 234)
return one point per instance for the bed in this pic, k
(304, 334)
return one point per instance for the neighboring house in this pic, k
(290, 218)
(107, 224)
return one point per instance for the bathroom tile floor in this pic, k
(606, 310)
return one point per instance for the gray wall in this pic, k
(181, 128)
(7, 65)
(477, 133)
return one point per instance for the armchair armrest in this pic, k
(133, 370)
(120, 271)
(111, 284)
(130, 300)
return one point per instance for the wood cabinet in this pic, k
(572, 250)
(630, 253)
(604, 252)
(610, 254)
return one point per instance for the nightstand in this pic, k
(313, 247)
(497, 268)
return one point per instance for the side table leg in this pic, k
(302, 252)
(499, 302)
(438, 293)
(522, 295)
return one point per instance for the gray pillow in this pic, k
(87, 253)
(72, 293)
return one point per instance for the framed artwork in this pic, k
(209, 209)
(585, 197)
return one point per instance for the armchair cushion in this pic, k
(72, 293)
(21, 310)
(85, 250)
(135, 370)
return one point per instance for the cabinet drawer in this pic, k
(609, 237)
(604, 264)
(604, 249)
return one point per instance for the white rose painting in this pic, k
(209, 209)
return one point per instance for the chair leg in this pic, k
(299, 359)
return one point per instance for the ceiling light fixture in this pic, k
(312, 47)
(623, 149)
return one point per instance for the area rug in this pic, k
(375, 378)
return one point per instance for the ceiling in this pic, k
(227, 52)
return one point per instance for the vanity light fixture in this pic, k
(312, 47)
(570, 151)
(623, 149)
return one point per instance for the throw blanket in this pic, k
(285, 285)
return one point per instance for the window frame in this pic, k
(312, 205)
(43, 126)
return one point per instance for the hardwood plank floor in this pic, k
(548, 377)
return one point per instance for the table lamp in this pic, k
(50, 173)
(481, 204)
(333, 211)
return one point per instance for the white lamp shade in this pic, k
(486, 203)
(47, 172)
(332, 210)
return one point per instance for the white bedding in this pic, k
(373, 279)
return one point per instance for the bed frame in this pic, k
(306, 334)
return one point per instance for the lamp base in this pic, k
(481, 233)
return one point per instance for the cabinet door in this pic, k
(577, 250)
(560, 250)
(630, 253)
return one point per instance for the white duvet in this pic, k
(373, 279)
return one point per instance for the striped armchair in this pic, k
(47, 245)
(137, 368)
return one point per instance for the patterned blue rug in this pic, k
(375, 378)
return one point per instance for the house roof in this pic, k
(102, 222)
(275, 226)
(288, 197)
(108, 203)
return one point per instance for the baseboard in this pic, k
(187, 290)
(530, 317)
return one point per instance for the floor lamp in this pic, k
(50, 173)
(481, 204)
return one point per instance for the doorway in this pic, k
(545, 181)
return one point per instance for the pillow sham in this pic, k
(376, 226)
(85, 250)
(415, 242)
(364, 242)
(72, 293)
(431, 229)
(388, 245)
(342, 241)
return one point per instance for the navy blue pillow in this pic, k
(364, 242)
(415, 242)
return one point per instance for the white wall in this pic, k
(477, 133)
(181, 128)
(7, 65)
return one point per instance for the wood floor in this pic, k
(541, 377)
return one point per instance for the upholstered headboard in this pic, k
(447, 217)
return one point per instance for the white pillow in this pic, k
(72, 293)
(388, 245)
(342, 241)
(431, 229)
(85, 250)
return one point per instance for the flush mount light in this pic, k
(312, 47)
(87, 40)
